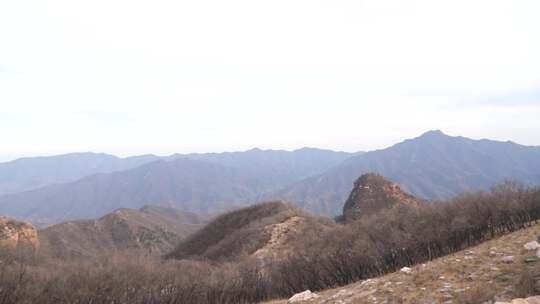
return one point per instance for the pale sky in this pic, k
(132, 77)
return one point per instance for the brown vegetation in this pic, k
(367, 248)
(249, 230)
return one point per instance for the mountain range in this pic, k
(35, 172)
(431, 166)
(202, 183)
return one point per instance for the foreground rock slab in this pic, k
(531, 246)
(303, 296)
(530, 300)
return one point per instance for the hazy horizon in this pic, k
(7, 159)
(135, 77)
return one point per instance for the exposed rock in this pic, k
(265, 231)
(406, 270)
(533, 300)
(538, 253)
(530, 300)
(342, 294)
(509, 259)
(279, 234)
(532, 246)
(372, 193)
(15, 234)
(303, 296)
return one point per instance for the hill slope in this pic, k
(432, 166)
(266, 230)
(151, 228)
(475, 275)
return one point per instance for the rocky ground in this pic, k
(497, 270)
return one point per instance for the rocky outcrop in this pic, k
(372, 193)
(531, 246)
(303, 297)
(16, 234)
(530, 300)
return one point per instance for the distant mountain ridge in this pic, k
(282, 167)
(432, 166)
(31, 173)
(34, 172)
(183, 184)
(203, 183)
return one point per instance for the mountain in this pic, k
(154, 229)
(432, 166)
(371, 194)
(182, 183)
(279, 168)
(282, 166)
(202, 183)
(35, 172)
(266, 230)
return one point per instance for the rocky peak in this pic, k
(372, 193)
(15, 234)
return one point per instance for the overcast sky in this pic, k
(132, 77)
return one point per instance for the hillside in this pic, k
(432, 166)
(154, 229)
(265, 230)
(474, 275)
(34, 172)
